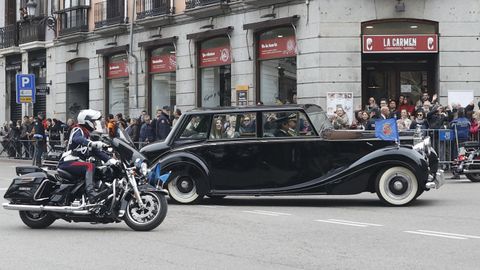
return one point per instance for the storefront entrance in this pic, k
(399, 57)
(389, 76)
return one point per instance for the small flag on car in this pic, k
(387, 130)
(155, 178)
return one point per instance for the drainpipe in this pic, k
(135, 68)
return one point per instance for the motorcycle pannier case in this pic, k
(24, 188)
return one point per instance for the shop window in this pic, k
(277, 63)
(117, 76)
(163, 78)
(286, 124)
(215, 72)
(233, 126)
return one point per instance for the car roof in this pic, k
(205, 110)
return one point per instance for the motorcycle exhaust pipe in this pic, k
(38, 208)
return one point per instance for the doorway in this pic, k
(77, 96)
(389, 76)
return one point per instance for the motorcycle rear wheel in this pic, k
(149, 217)
(37, 220)
(474, 177)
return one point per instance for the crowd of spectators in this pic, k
(18, 138)
(425, 113)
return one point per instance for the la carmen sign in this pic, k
(400, 43)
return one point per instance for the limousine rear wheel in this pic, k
(397, 186)
(183, 189)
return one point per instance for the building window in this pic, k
(162, 69)
(117, 81)
(214, 58)
(277, 65)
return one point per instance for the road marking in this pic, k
(267, 213)
(354, 222)
(436, 235)
(341, 223)
(3, 189)
(452, 234)
(349, 223)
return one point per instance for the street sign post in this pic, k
(25, 88)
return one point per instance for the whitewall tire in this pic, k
(397, 186)
(183, 189)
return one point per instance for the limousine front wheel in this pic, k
(397, 186)
(183, 189)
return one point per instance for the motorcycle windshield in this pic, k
(127, 152)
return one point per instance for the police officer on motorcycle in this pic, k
(80, 148)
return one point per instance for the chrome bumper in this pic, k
(437, 181)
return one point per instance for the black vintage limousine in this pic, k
(287, 150)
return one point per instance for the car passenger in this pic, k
(247, 125)
(218, 129)
(285, 124)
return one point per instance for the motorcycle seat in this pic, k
(66, 175)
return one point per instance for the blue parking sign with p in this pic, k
(25, 88)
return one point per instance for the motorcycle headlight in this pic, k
(141, 166)
(144, 168)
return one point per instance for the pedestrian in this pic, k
(147, 134)
(40, 139)
(120, 121)
(133, 130)
(25, 131)
(111, 126)
(163, 125)
(176, 116)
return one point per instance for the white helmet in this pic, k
(88, 118)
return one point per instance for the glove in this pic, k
(98, 145)
(113, 161)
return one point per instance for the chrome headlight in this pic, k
(424, 147)
(141, 166)
(144, 168)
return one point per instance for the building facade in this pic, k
(189, 53)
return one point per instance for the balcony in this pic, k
(257, 3)
(110, 18)
(31, 31)
(73, 24)
(8, 36)
(206, 8)
(154, 13)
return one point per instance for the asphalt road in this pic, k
(440, 231)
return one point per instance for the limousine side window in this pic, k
(234, 125)
(286, 124)
(197, 128)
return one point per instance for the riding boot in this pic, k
(90, 188)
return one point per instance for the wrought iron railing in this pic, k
(8, 36)
(73, 20)
(109, 13)
(149, 8)
(29, 31)
(189, 4)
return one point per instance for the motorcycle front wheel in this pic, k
(149, 216)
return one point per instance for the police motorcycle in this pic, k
(128, 190)
(468, 161)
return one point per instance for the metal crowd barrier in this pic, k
(25, 149)
(443, 141)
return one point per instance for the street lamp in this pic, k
(49, 20)
(31, 6)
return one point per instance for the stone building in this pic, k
(189, 53)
